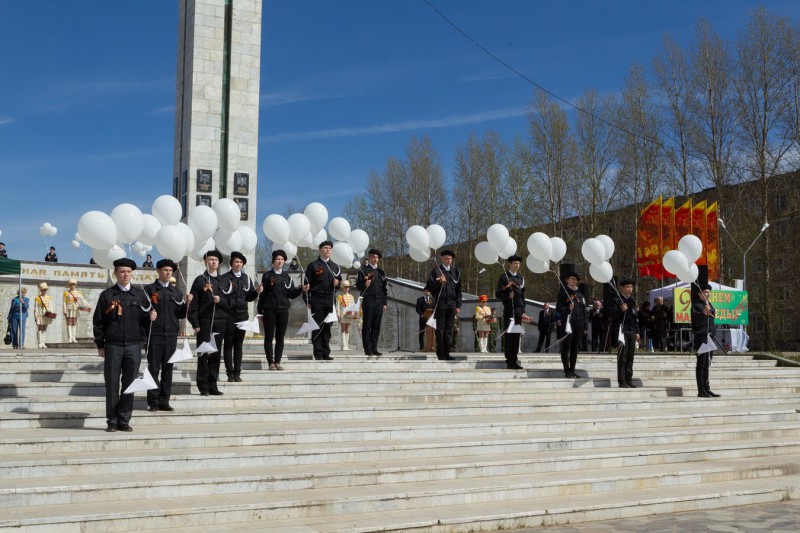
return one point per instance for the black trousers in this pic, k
(511, 346)
(371, 328)
(660, 336)
(234, 339)
(544, 340)
(703, 364)
(570, 346)
(625, 357)
(445, 318)
(321, 338)
(120, 367)
(421, 333)
(208, 363)
(159, 351)
(275, 323)
(597, 337)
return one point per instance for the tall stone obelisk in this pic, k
(216, 106)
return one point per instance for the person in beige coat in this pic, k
(74, 303)
(43, 314)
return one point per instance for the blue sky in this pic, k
(87, 99)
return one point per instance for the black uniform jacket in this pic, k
(628, 319)
(120, 316)
(170, 306)
(203, 290)
(278, 290)
(703, 324)
(512, 297)
(239, 292)
(446, 295)
(377, 289)
(577, 318)
(320, 275)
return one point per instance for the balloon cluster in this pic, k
(542, 249)
(498, 243)
(207, 228)
(597, 251)
(307, 230)
(422, 240)
(681, 262)
(48, 230)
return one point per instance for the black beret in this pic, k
(707, 287)
(213, 253)
(325, 243)
(447, 252)
(375, 251)
(167, 263)
(572, 275)
(513, 258)
(125, 262)
(626, 282)
(238, 255)
(277, 253)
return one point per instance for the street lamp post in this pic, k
(744, 252)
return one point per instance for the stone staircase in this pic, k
(387, 444)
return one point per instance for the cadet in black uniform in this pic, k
(170, 305)
(624, 313)
(511, 291)
(444, 284)
(241, 290)
(571, 306)
(121, 313)
(372, 284)
(323, 277)
(703, 325)
(208, 312)
(276, 289)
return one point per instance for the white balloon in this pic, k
(509, 249)
(97, 230)
(106, 258)
(47, 226)
(188, 237)
(317, 216)
(42, 231)
(419, 256)
(137, 247)
(536, 265)
(675, 263)
(307, 241)
(320, 237)
(356, 264)
(52, 231)
(228, 215)
(339, 229)
(602, 272)
(148, 248)
(497, 236)
(342, 253)
(276, 228)
(249, 239)
(436, 236)
(359, 241)
(203, 221)
(690, 275)
(142, 253)
(128, 220)
(76, 244)
(608, 244)
(692, 247)
(201, 248)
(227, 241)
(540, 246)
(485, 253)
(167, 209)
(76, 237)
(593, 251)
(559, 249)
(150, 228)
(298, 226)
(170, 242)
(289, 248)
(418, 238)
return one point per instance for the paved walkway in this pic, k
(781, 517)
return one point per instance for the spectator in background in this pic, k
(645, 319)
(483, 325)
(148, 262)
(597, 320)
(294, 265)
(74, 303)
(545, 327)
(660, 315)
(17, 315)
(51, 256)
(425, 307)
(3, 251)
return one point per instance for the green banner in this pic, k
(731, 306)
(9, 266)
